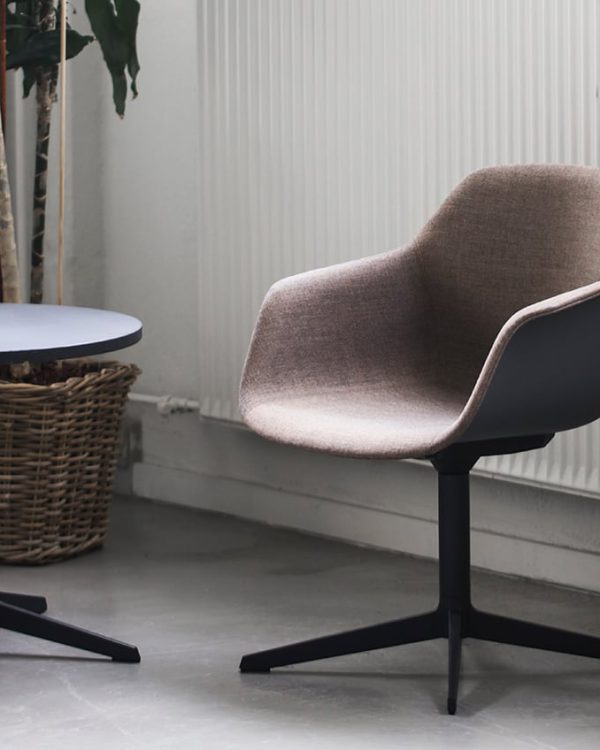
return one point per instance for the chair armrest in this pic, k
(542, 374)
(337, 326)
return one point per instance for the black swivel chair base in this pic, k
(24, 614)
(455, 617)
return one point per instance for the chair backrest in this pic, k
(505, 237)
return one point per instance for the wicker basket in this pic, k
(58, 451)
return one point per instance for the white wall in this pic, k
(20, 140)
(137, 246)
(135, 194)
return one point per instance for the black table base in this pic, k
(22, 613)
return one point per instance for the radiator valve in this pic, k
(167, 405)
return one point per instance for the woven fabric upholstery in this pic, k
(391, 356)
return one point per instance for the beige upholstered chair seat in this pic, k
(361, 420)
(441, 341)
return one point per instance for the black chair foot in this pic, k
(251, 663)
(395, 633)
(21, 620)
(454, 653)
(25, 601)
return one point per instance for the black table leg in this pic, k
(25, 601)
(21, 620)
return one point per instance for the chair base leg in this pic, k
(25, 601)
(455, 618)
(409, 630)
(454, 653)
(22, 614)
(455, 626)
(488, 627)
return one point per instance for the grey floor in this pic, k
(194, 591)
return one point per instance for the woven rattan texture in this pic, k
(58, 453)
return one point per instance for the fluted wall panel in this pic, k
(331, 129)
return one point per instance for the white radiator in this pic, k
(331, 129)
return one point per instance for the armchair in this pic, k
(480, 337)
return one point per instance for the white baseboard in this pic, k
(516, 529)
(364, 525)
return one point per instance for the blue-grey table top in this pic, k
(39, 333)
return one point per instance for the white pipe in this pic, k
(166, 404)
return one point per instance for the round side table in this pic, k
(39, 333)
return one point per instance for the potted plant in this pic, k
(59, 421)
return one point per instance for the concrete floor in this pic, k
(195, 591)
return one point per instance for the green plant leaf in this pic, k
(29, 78)
(128, 12)
(115, 26)
(114, 23)
(43, 48)
(20, 25)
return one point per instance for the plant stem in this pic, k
(2, 86)
(3, 63)
(11, 291)
(45, 94)
(60, 248)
